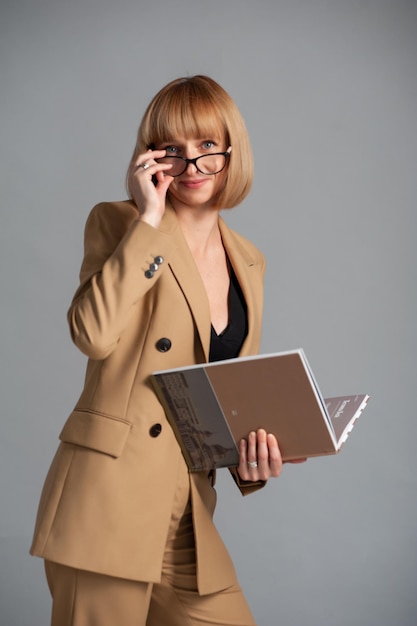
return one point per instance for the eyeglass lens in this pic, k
(205, 164)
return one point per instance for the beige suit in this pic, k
(107, 499)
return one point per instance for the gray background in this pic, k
(329, 93)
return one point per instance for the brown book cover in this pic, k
(211, 406)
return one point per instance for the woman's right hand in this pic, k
(149, 197)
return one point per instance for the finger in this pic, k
(145, 160)
(163, 181)
(149, 156)
(262, 454)
(162, 175)
(252, 457)
(274, 455)
(261, 446)
(269, 456)
(243, 460)
(246, 472)
(148, 169)
(252, 448)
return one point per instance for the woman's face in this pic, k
(193, 188)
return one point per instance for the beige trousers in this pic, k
(82, 598)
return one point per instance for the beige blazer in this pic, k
(107, 499)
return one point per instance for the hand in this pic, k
(260, 458)
(148, 197)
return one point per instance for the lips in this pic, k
(193, 183)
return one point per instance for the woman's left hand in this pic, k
(260, 457)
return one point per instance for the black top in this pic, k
(227, 345)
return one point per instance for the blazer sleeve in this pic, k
(246, 487)
(118, 252)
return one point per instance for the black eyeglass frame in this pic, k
(194, 162)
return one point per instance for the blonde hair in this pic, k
(197, 106)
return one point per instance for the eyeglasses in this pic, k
(207, 164)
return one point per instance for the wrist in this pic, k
(151, 220)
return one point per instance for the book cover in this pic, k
(211, 406)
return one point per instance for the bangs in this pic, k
(186, 111)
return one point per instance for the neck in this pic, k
(200, 227)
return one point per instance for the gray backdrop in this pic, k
(328, 89)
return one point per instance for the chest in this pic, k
(215, 275)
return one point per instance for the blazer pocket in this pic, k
(96, 431)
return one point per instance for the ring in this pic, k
(143, 166)
(252, 464)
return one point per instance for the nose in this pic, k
(192, 164)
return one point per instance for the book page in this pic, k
(343, 411)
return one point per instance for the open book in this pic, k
(211, 406)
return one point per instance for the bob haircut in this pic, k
(197, 106)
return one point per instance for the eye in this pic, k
(172, 150)
(209, 145)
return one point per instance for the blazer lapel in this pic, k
(251, 283)
(188, 277)
(185, 271)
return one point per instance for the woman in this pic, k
(125, 530)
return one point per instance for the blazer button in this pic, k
(155, 430)
(149, 273)
(159, 260)
(163, 344)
